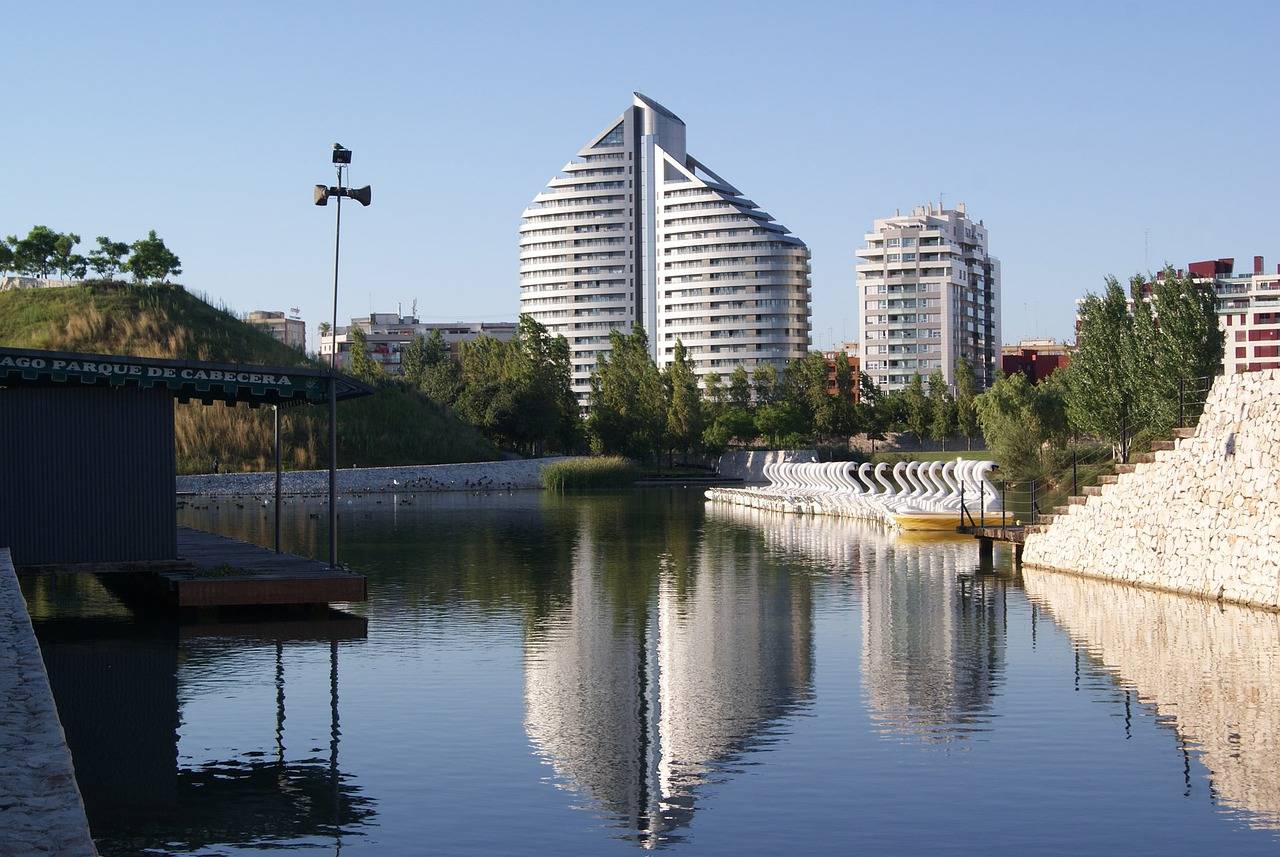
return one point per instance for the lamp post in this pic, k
(362, 195)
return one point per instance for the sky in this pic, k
(1091, 138)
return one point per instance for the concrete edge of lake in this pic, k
(41, 811)
(517, 475)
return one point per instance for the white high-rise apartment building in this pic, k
(636, 230)
(928, 295)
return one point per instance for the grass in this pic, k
(609, 471)
(396, 425)
(950, 455)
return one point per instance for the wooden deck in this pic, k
(1013, 534)
(216, 571)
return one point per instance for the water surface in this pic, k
(592, 674)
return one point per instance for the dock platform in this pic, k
(216, 571)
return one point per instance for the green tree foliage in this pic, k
(740, 388)
(68, 263)
(1189, 342)
(6, 256)
(108, 259)
(765, 383)
(713, 392)
(1102, 393)
(838, 418)
(428, 365)
(34, 255)
(519, 392)
(684, 410)
(942, 409)
(1019, 418)
(917, 408)
(360, 363)
(628, 402)
(966, 392)
(152, 261)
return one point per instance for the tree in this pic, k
(1102, 390)
(942, 409)
(64, 258)
(966, 415)
(359, 362)
(34, 254)
(714, 393)
(765, 382)
(6, 256)
(1018, 418)
(108, 259)
(839, 418)
(684, 411)
(152, 260)
(628, 402)
(1189, 341)
(740, 388)
(917, 408)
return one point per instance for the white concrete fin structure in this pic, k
(636, 230)
(915, 495)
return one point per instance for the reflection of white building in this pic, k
(932, 639)
(1210, 669)
(932, 634)
(635, 702)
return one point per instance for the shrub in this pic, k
(608, 471)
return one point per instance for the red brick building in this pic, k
(1035, 358)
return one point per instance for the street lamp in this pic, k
(362, 195)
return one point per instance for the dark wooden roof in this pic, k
(186, 380)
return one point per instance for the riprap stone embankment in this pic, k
(1202, 519)
(475, 476)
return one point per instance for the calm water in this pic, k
(597, 674)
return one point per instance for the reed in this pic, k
(608, 471)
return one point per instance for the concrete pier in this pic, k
(40, 807)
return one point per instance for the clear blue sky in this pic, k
(1073, 130)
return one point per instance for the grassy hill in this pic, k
(394, 426)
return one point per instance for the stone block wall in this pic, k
(1202, 519)
(748, 464)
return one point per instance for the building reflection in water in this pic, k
(671, 658)
(933, 628)
(1209, 670)
(119, 685)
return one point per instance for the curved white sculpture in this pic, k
(913, 495)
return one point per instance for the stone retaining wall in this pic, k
(476, 476)
(1202, 519)
(748, 464)
(40, 807)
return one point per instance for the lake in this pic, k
(599, 673)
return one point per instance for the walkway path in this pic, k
(40, 807)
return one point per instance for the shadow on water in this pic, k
(119, 683)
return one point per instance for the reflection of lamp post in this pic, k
(363, 195)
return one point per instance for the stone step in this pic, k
(1108, 480)
(1045, 519)
(1092, 490)
(1078, 501)
(1131, 467)
(1184, 432)
(1160, 445)
(1061, 510)
(1142, 458)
